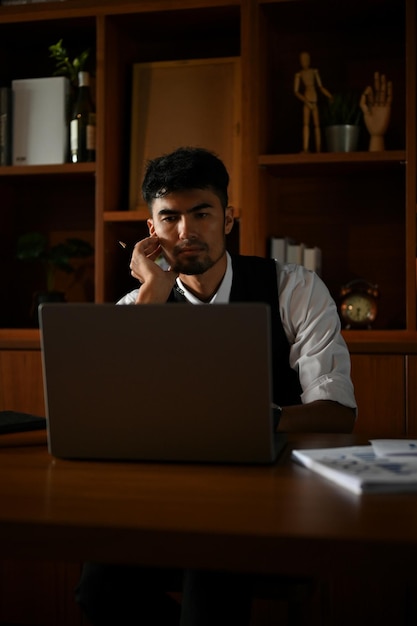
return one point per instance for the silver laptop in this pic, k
(170, 382)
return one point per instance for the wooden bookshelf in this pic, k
(358, 207)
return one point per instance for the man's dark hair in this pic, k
(185, 168)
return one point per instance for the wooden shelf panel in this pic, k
(97, 8)
(126, 216)
(64, 169)
(369, 341)
(298, 164)
(381, 341)
(19, 339)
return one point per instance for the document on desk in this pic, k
(384, 466)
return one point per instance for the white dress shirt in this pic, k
(312, 326)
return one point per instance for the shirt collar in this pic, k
(222, 295)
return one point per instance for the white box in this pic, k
(40, 125)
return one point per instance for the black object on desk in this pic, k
(16, 422)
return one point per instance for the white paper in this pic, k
(359, 469)
(394, 447)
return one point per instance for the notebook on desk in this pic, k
(170, 382)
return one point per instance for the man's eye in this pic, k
(202, 214)
(169, 218)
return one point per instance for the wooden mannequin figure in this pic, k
(309, 78)
(376, 106)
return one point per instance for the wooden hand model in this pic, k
(376, 107)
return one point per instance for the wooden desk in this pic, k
(360, 550)
(281, 519)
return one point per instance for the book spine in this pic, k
(295, 253)
(288, 250)
(312, 259)
(5, 125)
(278, 248)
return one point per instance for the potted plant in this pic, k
(64, 66)
(341, 117)
(34, 246)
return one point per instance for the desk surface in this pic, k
(281, 519)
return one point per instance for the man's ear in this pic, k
(229, 220)
(151, 227)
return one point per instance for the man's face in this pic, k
(191, 226)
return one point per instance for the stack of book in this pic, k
(287, 250)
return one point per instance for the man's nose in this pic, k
(186, 228)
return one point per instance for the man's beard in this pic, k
(194, 265)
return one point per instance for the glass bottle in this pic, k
(83, 123)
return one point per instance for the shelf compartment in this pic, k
(347, 45)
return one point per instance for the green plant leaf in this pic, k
(342, 109)
(78, 248)
(64, 66)
(33, 246)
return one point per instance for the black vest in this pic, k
(255, 280)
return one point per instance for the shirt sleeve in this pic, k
(318, 351)
(129, 298)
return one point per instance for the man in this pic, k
(186, 192)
